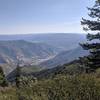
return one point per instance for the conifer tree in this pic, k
(92, 61)
(17, 77)
(3, 81)
(18, 71)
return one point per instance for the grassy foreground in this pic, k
(62, 87)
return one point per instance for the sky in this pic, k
(42, 16)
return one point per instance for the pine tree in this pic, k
(17, 77)
(92, 61)
(3, 81)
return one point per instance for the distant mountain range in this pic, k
(65, 41)
(28, 53)
(26, 50)
(43, 50)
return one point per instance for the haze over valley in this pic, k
(45, 50)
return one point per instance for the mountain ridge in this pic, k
(28, 52)
(65, 41)
(65, 57)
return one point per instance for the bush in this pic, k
(62, 87)
(83, 87)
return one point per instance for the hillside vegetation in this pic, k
(67, 82)
(61, 87)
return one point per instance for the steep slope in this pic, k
(29, 53)
(11, 49)
(65, 57)
(71, 68)
(39, 49)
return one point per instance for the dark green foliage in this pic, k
(61, 87)
(3, 81)
(92, 62)
(17, 77)
(72, 68)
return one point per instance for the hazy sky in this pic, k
(42, 16)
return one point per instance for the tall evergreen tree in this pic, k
(17, 77)
(92, 61)
(3, 81)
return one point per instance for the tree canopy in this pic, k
(93, 44)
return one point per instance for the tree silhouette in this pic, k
(92, 61)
